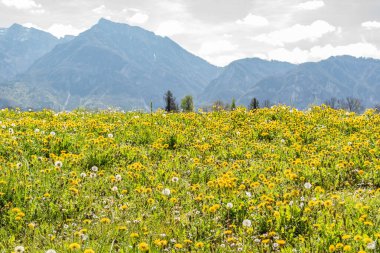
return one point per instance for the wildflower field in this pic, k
(270, 180)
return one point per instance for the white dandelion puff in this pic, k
(166, 191)
(371, 245)
(247, 223)
(307, 185)
(19, 249)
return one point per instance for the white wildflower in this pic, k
(166, 192)
(371, 245)
(19, 249)
(247, 223)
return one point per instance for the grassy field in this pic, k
(271, 180)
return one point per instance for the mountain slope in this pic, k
(240, 76)
(115, 64)
(20, 47)
(314, 83)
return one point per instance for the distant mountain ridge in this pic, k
(20, 47)
(314, 83)
(119, 65)
(240, 76)
(123, 66)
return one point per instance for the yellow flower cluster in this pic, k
(269, 180)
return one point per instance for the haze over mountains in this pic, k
(20, 47)
(122, 66)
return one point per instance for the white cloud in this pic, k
(26, 5)
(311, 5)
(60, 30)
(371, 25)
(139, 18)
(361, 49)
(170, 28)
(31, 25)
(253, 20)
(296, 33)
(99, 10)
(21, 4)
(216, 47)
(294, 56)
(317, 53)
(37, 11)
(223, 60)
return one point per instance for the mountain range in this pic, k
(123, 66)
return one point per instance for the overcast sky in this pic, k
(221, 31)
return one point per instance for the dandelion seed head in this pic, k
(247, 223)
(58, 164)
(19, 249)
(166, 191)
(307, 185)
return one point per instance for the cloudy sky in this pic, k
(222, 30)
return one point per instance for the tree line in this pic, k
(187, 104)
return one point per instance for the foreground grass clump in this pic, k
(262, 181)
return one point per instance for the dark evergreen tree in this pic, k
(254, 104)
(170, 104)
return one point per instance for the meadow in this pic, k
(269, 180)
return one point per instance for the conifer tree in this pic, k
(254, 104)
(170, 104)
